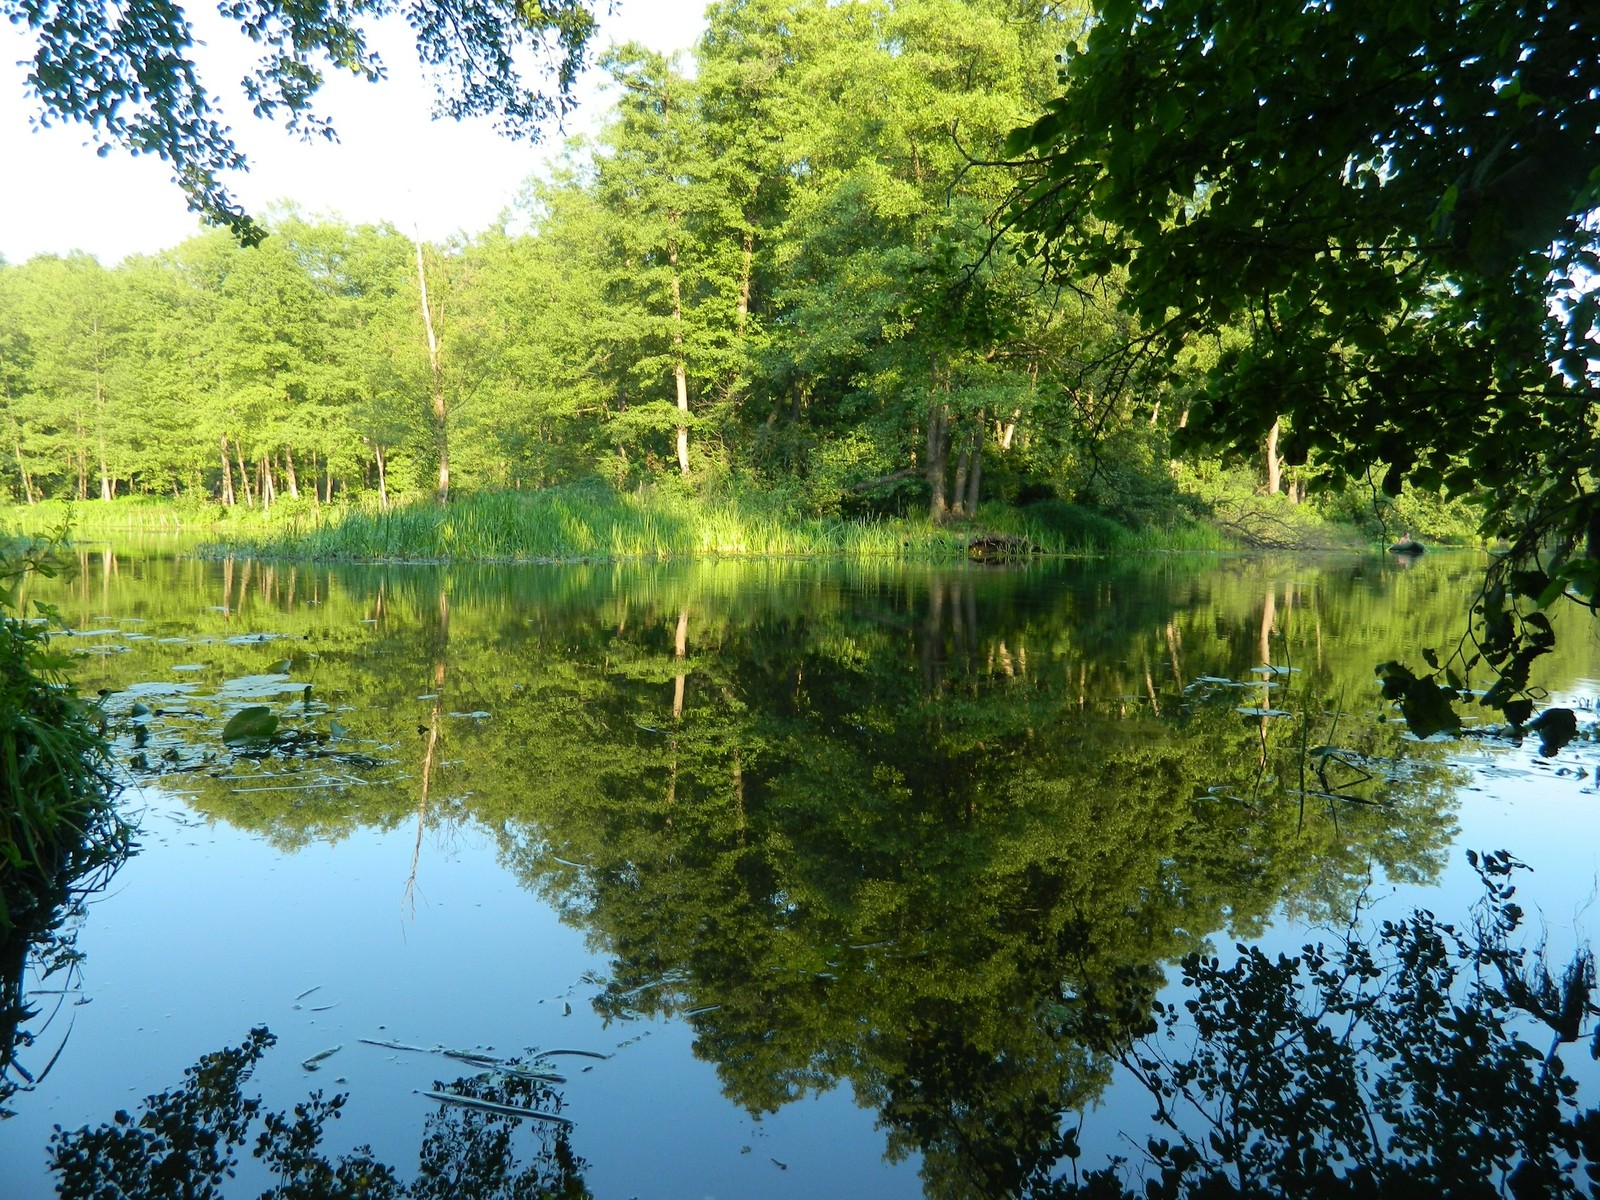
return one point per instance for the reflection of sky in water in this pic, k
(211, 930)
(481, 963)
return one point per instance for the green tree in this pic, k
(1394, 203)
(653, 181)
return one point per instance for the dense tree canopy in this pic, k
(1379, 217)
(767, 266)
(128, 72)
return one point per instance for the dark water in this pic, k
(851, 873)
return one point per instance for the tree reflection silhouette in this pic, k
(186, 1142)
(1404, 1067)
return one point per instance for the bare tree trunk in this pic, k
(441, 431)
(1274, 463)
(680, 373)
(1010, 430)
(268, 490)
(288, 473)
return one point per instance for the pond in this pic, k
(774, 878)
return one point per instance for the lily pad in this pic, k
(253, 724)
(157, 688)
(257, 687)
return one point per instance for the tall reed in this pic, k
(591, 523)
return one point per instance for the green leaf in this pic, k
(253, 724)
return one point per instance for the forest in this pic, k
(778, 270)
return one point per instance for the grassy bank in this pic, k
(58, 821)
(588, 523)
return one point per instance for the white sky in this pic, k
(392, 161)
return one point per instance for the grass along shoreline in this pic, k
(586, 522)
(570, 524)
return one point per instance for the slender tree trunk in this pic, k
(680, 651)
(227, 473)
(746, 269)
(80, 458)
(975, 470)
(106, 490)
(937, 460)
(430, 751)
(244, 476)
(265, 487)
(1274, 464)
(288, 473)
(22, 472)
(958, 493)
(441, 429)
(680, 374)
(383, 486)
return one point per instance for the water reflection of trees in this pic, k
(497, 1138)
(940, 837)
(956, 888)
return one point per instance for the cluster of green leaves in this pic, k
(1373, 219)
(129, 76)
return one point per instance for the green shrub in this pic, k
(58, 822)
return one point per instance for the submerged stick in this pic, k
(507, 1110)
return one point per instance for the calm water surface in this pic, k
(840, 868)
